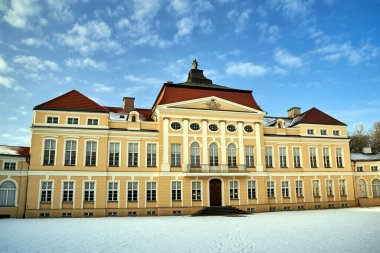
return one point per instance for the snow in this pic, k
(333, 230)
(5, 150)
(365, 157)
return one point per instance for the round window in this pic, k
(194, 126)
(248, 129)
(231, 128)
(213, 127)
(176, 125)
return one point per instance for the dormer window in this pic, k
(52, 120)
(133, 118)
(280, 123)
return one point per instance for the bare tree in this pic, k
(359, 139)
(375, 136)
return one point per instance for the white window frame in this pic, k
(10, 162)
(329, 187)
(285, 189)
(177, 154)
(341, 156)
(249, 156)
(271, 187)
(64, 152)
(344, 184)
(71, 117)
(196, 189)
(232, 157)
(155, 189)
(15, 193)
(323, 129)
(92, 118)
(195, 165)
(46, 190)
(250, 189)
(118, 190)
(334, 130)
(316, 194)
(68, 190)
(283, 157)
(312, 130)
(109, 154)
(138, 154)
(85, 152)
(328, 156)
(316, 157)
(299, 156)
(272, 155)
(299, 188)
(134, 192)
(214, 162)
(51, 116)
(234, 189)
(174, 190)
(156, 160)
(89, 190)
(43, 150)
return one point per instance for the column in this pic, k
(259, 162)
(165, 160)
(185, 127)
(223, 148)
(241, 162)
(205, 162)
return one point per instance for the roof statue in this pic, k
(195, 64)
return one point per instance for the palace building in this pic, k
(200, 145)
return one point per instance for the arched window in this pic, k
(195, 158)
(214, 154)
(362, 188)
(7, 193)
(231, 155)
(376, 188)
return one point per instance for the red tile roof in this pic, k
(171, 93)
(14, 150)
(316, 116)
(71, 101)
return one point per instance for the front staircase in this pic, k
(220, 210)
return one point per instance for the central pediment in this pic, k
(211, 103)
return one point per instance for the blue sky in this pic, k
(322, 53)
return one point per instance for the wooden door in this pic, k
(215, 192)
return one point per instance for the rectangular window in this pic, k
(52, 120)
(195, 156)
(310, 131)
(113, 191)
(359, 168)
(299, 188)
(234, 189)
(114, 154)
(339, 159)
(70, 153)
(329, 188)
(297, 157)
(374, 168)
(249, 160)
(91, 147)
(72, 121)
(251, 189)
(326, 157)
(283, 159)
(268, 157)
(342, 187)
(285, 189)
(316, 188)
(68, 191)
(176, 190)
(49, 152)
(196, 190)
(151, 155)
(133, 154)
(133, 191)
(270, 189)
(313, 157)
(151, 191)
(323, 132)
(9, 166)
(46, 190)
(176, 155)
(336, 132)
(89, 191)
(231, 155)
(92, 122)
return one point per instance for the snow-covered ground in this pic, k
(340, 230)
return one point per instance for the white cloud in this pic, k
(122, 23)
(180, 6)
(10, 83)
(292, 8)
(336, 52)
(22, 110)
(240, 19)
(245, 69)
(286, 59)
(90, 37)
(4, 66)
(100, 87)
(85, 63)
(32, 63)
(12, 118)
(60, 10)
(19, 12)
(185, 27)
(268, 33)
(35, 42)
(143, 80)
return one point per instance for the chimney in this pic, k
(367, 150)
(128, 104)
(294, 112)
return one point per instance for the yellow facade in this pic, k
(166, 165)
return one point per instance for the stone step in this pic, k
(220, 210)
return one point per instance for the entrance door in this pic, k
(215, 192)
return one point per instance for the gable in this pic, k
(211, 103)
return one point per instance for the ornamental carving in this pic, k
(213, 105)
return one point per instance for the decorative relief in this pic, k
(213, 105)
